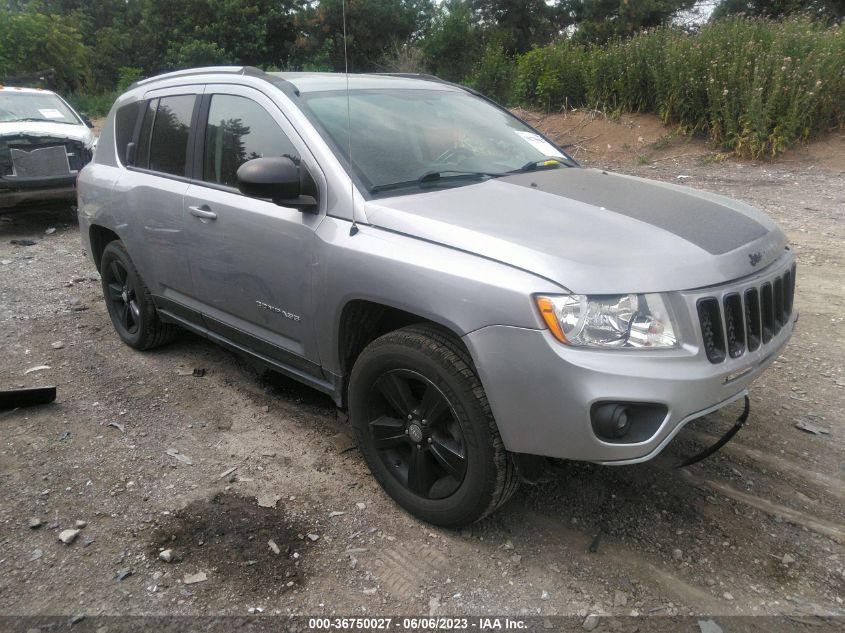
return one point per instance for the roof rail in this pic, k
(249, 71)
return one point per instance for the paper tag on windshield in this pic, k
(51, 113)
(539, 143)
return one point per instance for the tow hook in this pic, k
(707, 452)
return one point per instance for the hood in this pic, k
(47, 129)
(592, 232)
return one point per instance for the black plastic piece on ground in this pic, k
(15, 398)
(707, 452)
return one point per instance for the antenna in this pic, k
(354, 228)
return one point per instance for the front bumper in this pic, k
(18, 191)
(541, 392)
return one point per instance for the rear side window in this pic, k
(239, 130)
(163, 142)
(124, 127)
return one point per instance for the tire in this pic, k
(450, 470)
(129, 302)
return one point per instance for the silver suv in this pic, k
(476, 300)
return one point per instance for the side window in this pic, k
(239, 130)
(124, 127)
(142, 152)
(163, 141)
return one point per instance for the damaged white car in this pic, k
(44, 144)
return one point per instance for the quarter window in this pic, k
(239, 130)
(163, 142)
(124, 127)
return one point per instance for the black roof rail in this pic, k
(249, 71)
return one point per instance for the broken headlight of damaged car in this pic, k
(610, 321)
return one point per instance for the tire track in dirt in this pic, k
(815, 524)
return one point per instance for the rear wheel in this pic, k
(424, 426)
(129, 302)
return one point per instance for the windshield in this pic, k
(401, 136)
(34, 106)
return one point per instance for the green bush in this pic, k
(493, 75)
(752, 86)
(95, 106)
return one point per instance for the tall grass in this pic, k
(752, 86)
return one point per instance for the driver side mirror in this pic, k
(277, 178)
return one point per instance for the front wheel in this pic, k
(425, 429)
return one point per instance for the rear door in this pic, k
(154, 186)
(251, 260)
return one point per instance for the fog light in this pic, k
(611, 420)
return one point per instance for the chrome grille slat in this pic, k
(734, 322)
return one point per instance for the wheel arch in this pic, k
(361, 321)
(99, 237)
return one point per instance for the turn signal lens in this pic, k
(547, 310)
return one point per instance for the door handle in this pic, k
(203, 212)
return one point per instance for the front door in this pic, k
(251, 260)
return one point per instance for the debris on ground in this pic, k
(22, 242)
(174, 452)
(68, 536)
(166, 555)
(811, 428)
(227, 472)
(274, 547)
(57, 344)
(36, 368)
(267, 500)
(192, 579)
(708, 626)
(26, 397)
(35, 523)
(117, 425)
(123, 574)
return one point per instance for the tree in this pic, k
(372, 28)
(31, 42)
(520, 24)
(453, 45)
(597, 21)
(832, 9)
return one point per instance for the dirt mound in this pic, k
(228, 536)
(593, 138)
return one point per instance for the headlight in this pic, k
(609, 321)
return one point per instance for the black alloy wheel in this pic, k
(123, 296)
(129, 302)
(424, 426)
(416, 433)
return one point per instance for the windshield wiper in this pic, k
(436, 176)
(544, 163)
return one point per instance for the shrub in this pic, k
(753, 86)
(493, 75)
(95, 106)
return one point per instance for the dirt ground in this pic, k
(758, 529)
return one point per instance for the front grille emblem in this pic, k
(755, 258)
